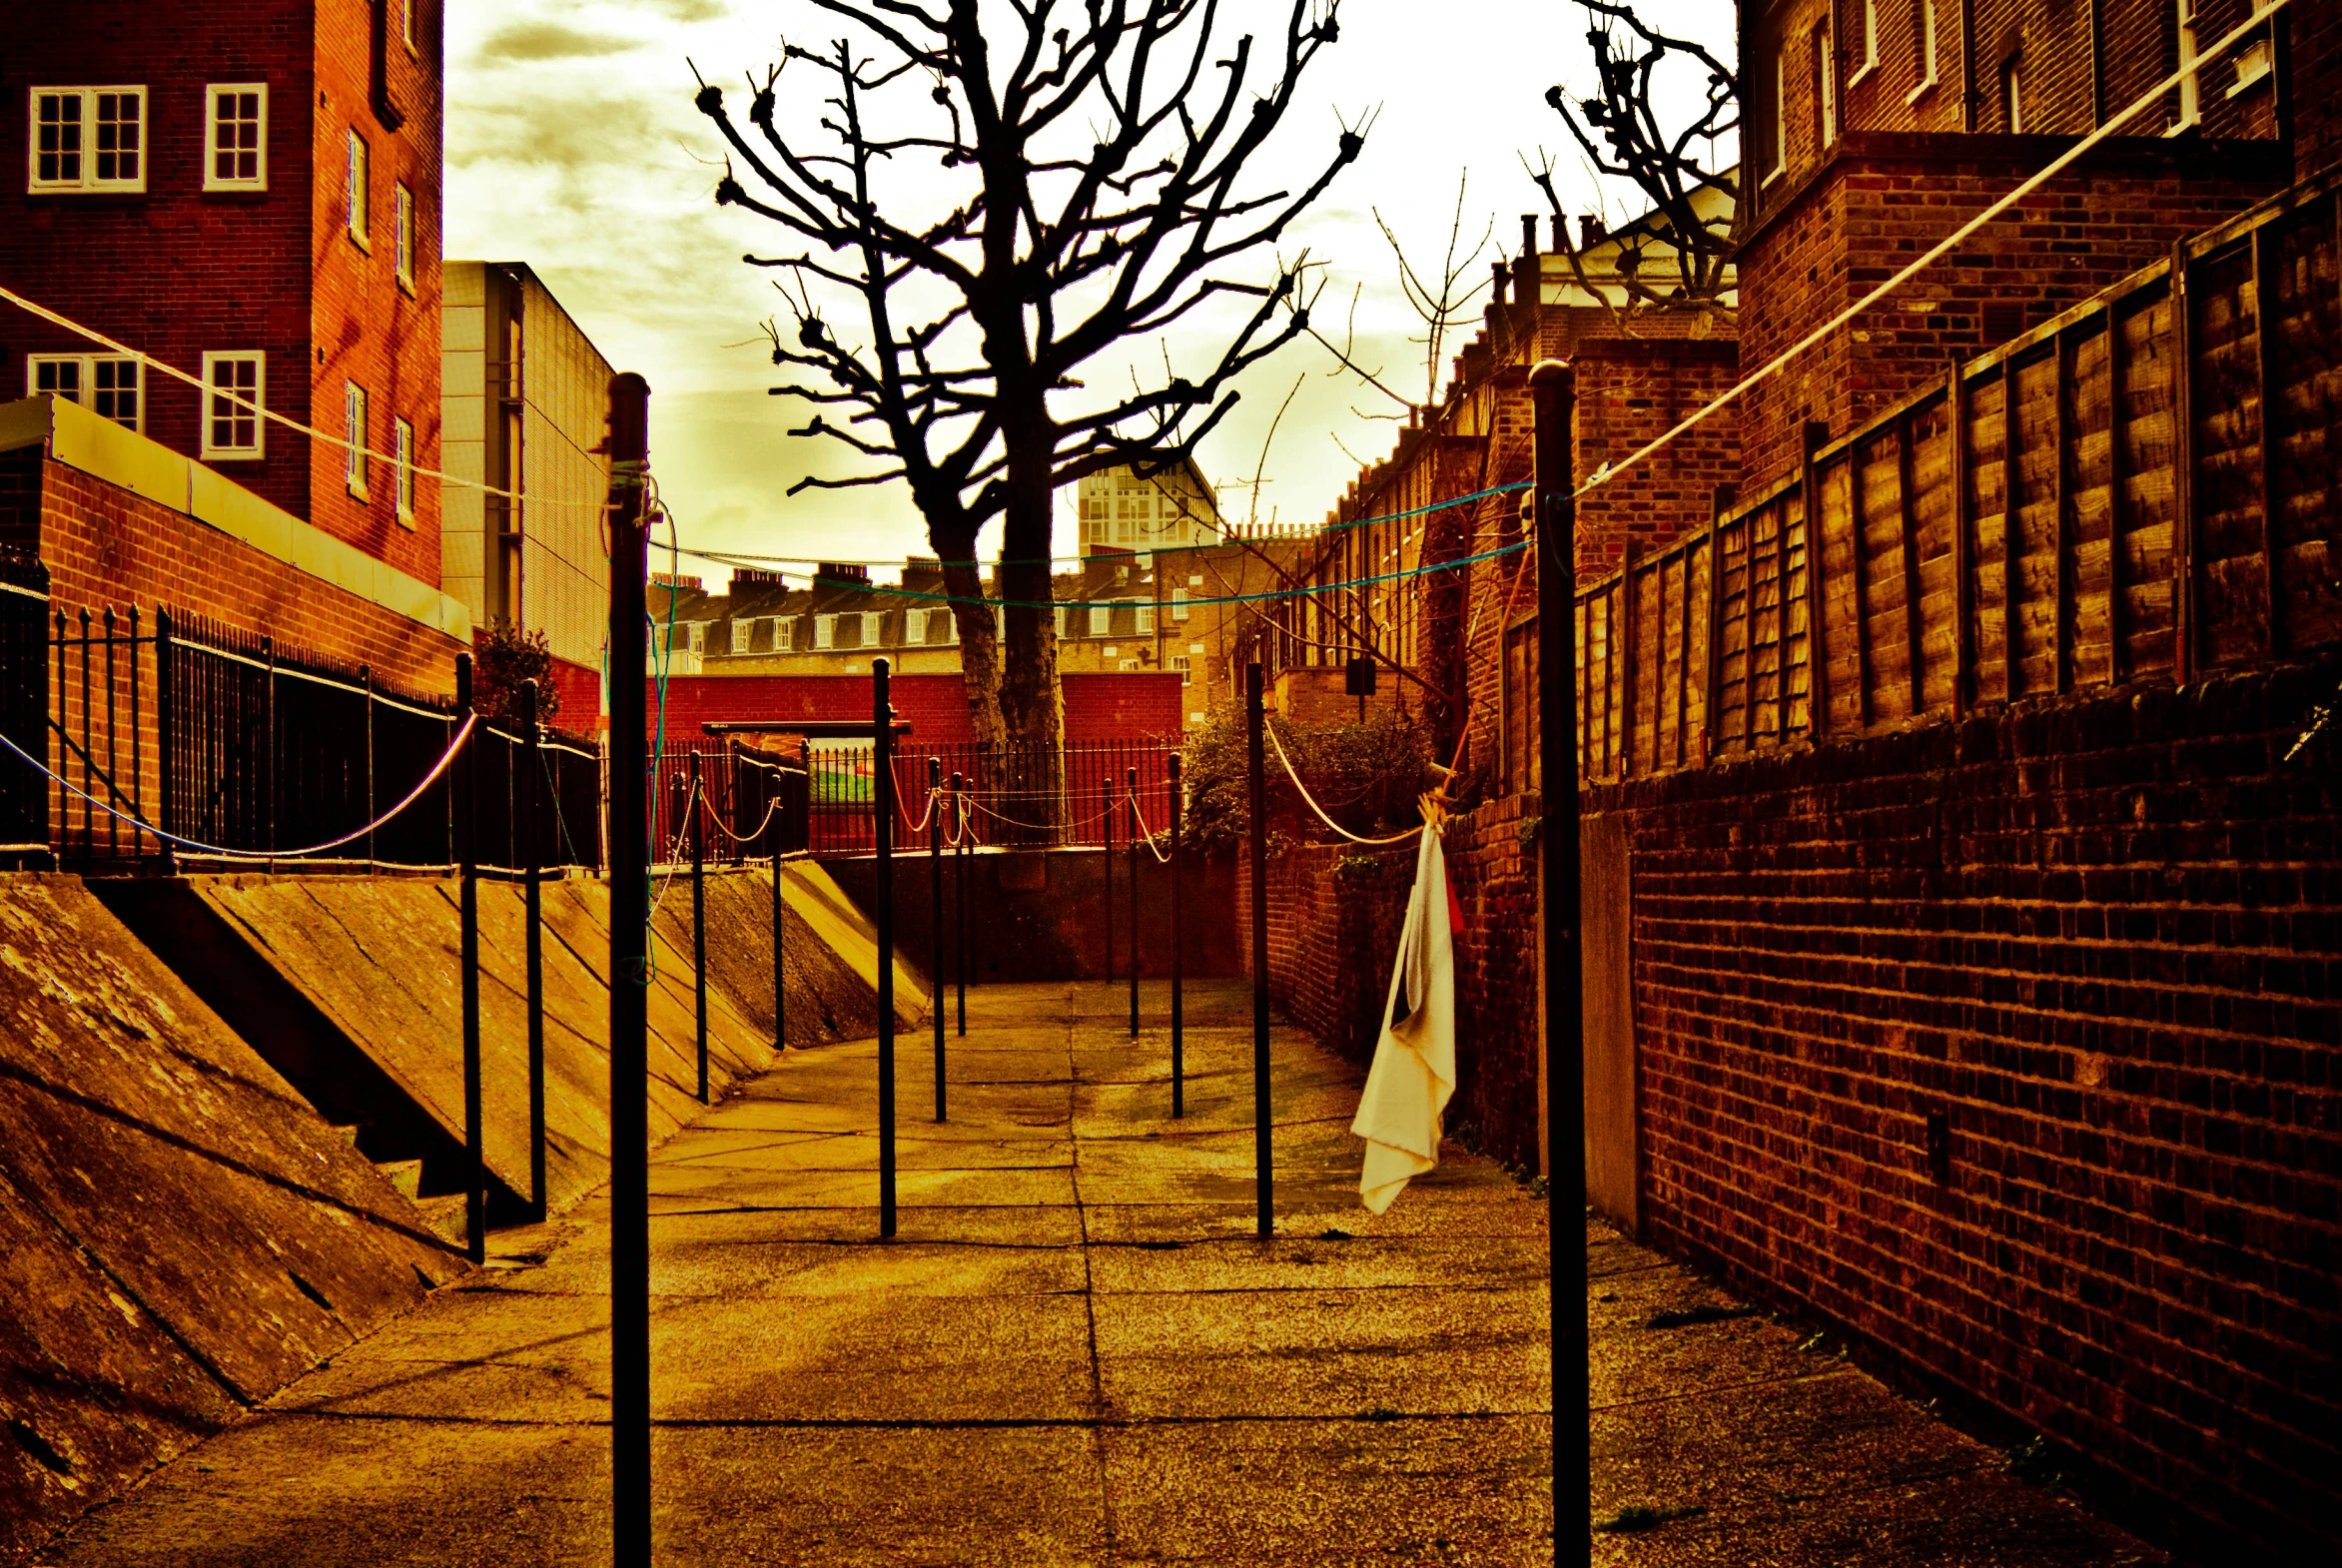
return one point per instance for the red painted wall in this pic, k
(1098, 707)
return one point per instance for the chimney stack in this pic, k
(1496, 287)
(1526, 273)
(1589, 230)
(1560, 234)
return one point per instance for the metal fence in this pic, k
(1030, 797)
(241, 744)
(758, 802)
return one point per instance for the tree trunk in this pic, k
(980, 646)
(1029, 708)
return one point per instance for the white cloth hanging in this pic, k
(1413, 1074)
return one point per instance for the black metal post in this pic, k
(1179, 938)
(1131, 791)
(532, 916)
(629, 859)
(960, 823)
(695, 815)
(1264, 1178)
(935, 911)
(467, 808)
(1553, 391)
(1106, 870)
(882, 806)
(165, 716)
(780, 972)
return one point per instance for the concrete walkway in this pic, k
(1076, 1352)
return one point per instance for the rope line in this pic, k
(1269, 730)
(752, 834)
(198, 382)
(463, 735)
(1147, 833)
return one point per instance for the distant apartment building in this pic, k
(253, 199)
(524, 404)
(1122, 509)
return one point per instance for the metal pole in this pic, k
(532, 867)
(781, 991)
(466, 804)
(882, 806)
(166, 713)
(1106, 869)
(629, 861)
(695, 812)
(1179, 942)
(935, 908)
(1131, 790)
(1263, 1173)
(1553, 389)
(960, 894)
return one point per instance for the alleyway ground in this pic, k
(1076, 1352)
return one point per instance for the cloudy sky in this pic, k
(573, 145)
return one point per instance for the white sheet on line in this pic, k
(1413, 1074)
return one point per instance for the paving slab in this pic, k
(1077, 1351)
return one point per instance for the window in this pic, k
(824, 631)
(870, 632)
(2252, 65)
(238, 128)
(232, 427)
(354, 431)
(1870, 61)
(354, 197)
(1100, 619)
(2013, 95)
(1825, 91)
(406, 24)
(106, 385)
(402, 449)
(402, 235)
(1923, 45)
(1180, 605)
(1059, 617)
(1180, 663)
(1780, 115)
(1132, 666)
(87, 139)
(1146, 620)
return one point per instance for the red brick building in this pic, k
(250, 193)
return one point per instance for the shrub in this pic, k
(1367, 775)
(503, 656)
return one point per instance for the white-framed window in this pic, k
(232, 380)
(1825, 91)
(354, 431)
(406, 25)
(402, 235)
(1869, 26)
(1922, 48)
(1132, 666)
(1146, 620)
(2013, 93)
(694, 635)
(824, 631)
(109, 386)
(2254, 62)
(870, 631)
(87, 139)
(235, 136)
(1179, 607)
(402, 449)
(2191, 106)
(1060, 616)
(1186, 667)
(1100, 619)
(354, 194)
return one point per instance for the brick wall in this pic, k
(1886, 198)
(1098, 707)
(2316, 87)
(104, 545)
(1631, 391)
(1492, 866)
(2096, 938)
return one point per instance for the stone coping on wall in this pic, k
(96, 445)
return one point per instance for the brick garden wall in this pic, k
(1887, 196)
(1631, 391)
(2095, 937)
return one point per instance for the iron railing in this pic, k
(242, 744)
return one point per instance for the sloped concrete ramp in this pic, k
(346, 979)
(181, 1234)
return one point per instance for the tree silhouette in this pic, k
(1099, 203)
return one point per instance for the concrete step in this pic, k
(443, 1215)
(404, 1174)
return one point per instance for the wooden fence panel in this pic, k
(2089, 519)
(1934, 517)
(2305, 411)
(2146, 524)
(2225, 410)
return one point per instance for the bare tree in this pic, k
(1101, 164)
(1621, 134)
(1443, 305)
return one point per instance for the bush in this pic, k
(1366, 775)
(503, 656)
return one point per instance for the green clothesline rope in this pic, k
(1158, 549)
(1226, 598)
